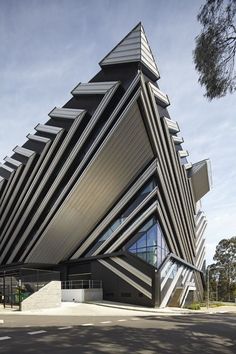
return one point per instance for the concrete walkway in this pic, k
(106, 308)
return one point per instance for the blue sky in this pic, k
(49, 46)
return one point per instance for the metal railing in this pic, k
(17, 284)
(81, 284)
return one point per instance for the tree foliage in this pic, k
(223, 272)
(214, 54)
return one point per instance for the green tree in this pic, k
(215, 50)
(223, 272)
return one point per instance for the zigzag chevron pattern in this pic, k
(105, 186)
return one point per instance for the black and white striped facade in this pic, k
(103, 190)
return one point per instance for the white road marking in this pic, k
(1, 321)
(135, 319)
(4, 338)
(121, 320)
(66, 327)
(106, 322)
(87, 324)
(36, 332)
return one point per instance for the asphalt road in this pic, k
(187, 334)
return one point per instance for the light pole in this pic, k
(208, 282)
(208, 286)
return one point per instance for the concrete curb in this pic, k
(130, 308)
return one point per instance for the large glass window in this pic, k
(140, 196)
(150, 244)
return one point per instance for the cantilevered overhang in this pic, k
(201, 179)
(124, 153)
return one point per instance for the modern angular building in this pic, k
(104, 190)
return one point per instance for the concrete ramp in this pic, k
(48, 296)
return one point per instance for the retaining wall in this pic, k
(81, 295)
(47, 297)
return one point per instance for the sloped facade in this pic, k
(103, 190)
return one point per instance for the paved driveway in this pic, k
(187, 334)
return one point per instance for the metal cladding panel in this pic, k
(160, 96)
(38, 138)
(200, 174)
(123, 155)
(22, 151)
(66, 113)
(1, 183)
(7, 168)
(172, 125)
(47, 129)
(177, 139)
(183, 153)
(133, 48)
(93, 88)
(12, 161)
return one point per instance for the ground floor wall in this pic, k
(127, 279)
(81, 295)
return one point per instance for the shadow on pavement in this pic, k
(208, 335)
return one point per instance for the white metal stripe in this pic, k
(183, 153)
(159, 94)
(7, 168)
(147, 61)
(188, 165)
(146, 279)
(93, 88)
(186, 283)
(147, 55)
(164, 268)
(199, 222)
(184, 273)
(13, 161)
(125, 278)
(200, 259)
(66, 113)
(199, 215)
(66, 141)
(172, 125)
(186, 276)
(82, 139)
(127, 220)
(171, 288)
(163, 283)
(48, 129)
(177, 139)
(126, 59)
(200, 245)
(32, 180)
(131, 192)
(38, 138)
(200, 232)
(23, 151)
(131, 45)
(132, 48)
(133, 227)
(73, 242)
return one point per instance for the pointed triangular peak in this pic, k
(133, 48)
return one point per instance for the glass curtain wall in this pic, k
(139, 197)
(150, 244)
